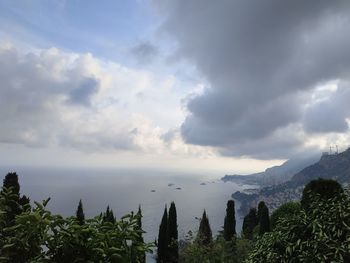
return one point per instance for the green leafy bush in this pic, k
(285, 211)
(40, 236)
(218, 251)
(320, 234)
(325, 188)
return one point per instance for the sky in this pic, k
(193, 85)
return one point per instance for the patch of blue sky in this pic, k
(105, 28)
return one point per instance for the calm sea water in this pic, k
(125, 190)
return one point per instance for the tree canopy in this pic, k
(250, 221)
(320, 233)
(325, 188)
(205, 236)
(80, 213)
(162, 238)
(264, 218)
(230, 221)
(172, 235)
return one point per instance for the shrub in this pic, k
(40, 236)
(285, 211)
(326, 188)
(321, 234)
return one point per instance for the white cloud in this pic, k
(51, 98)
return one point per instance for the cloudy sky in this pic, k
(229, 85)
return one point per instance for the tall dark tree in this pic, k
(112, 218)
(10, 182)
(264, 218)
(172, 235)
(81, 251)
(325, 188)
(80, 214)
(230, 221)
(142, 258)
(249, 223)
(205, 236)
(108, 216)
(162, 238)
(261, 205)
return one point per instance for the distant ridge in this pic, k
(276, 174)
(334, 166)
(331, 166)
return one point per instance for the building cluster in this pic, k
(273, 201)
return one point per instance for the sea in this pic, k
(123, 190)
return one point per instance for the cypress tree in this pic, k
(81, 251)
(109, 216)
(162, 238)
(261, 205)
(249, 223)
(230, 221)
(142, 258)
(106, 216)
(204, 236)
(80, 214)
(172, 235)
(264, 219)
(112, 218)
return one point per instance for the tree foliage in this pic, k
(80, 213)
(230, 221)
(319, 234)
(285, 211)
(108, 216)
(162, 238)
(37, 235)
(195, 252)
(14, 203)
(326, 188)
(220, 250)
(172, 235)
(204, 236)
(11, 181)
(264, 219)
(250, 221)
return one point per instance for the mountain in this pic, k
(335, 166)
(276, 174)
(331, 166)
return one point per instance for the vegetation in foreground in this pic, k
(317, 229)
(34, 234)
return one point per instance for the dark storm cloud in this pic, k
(263, 59)
(144, 52)
(330, 114)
